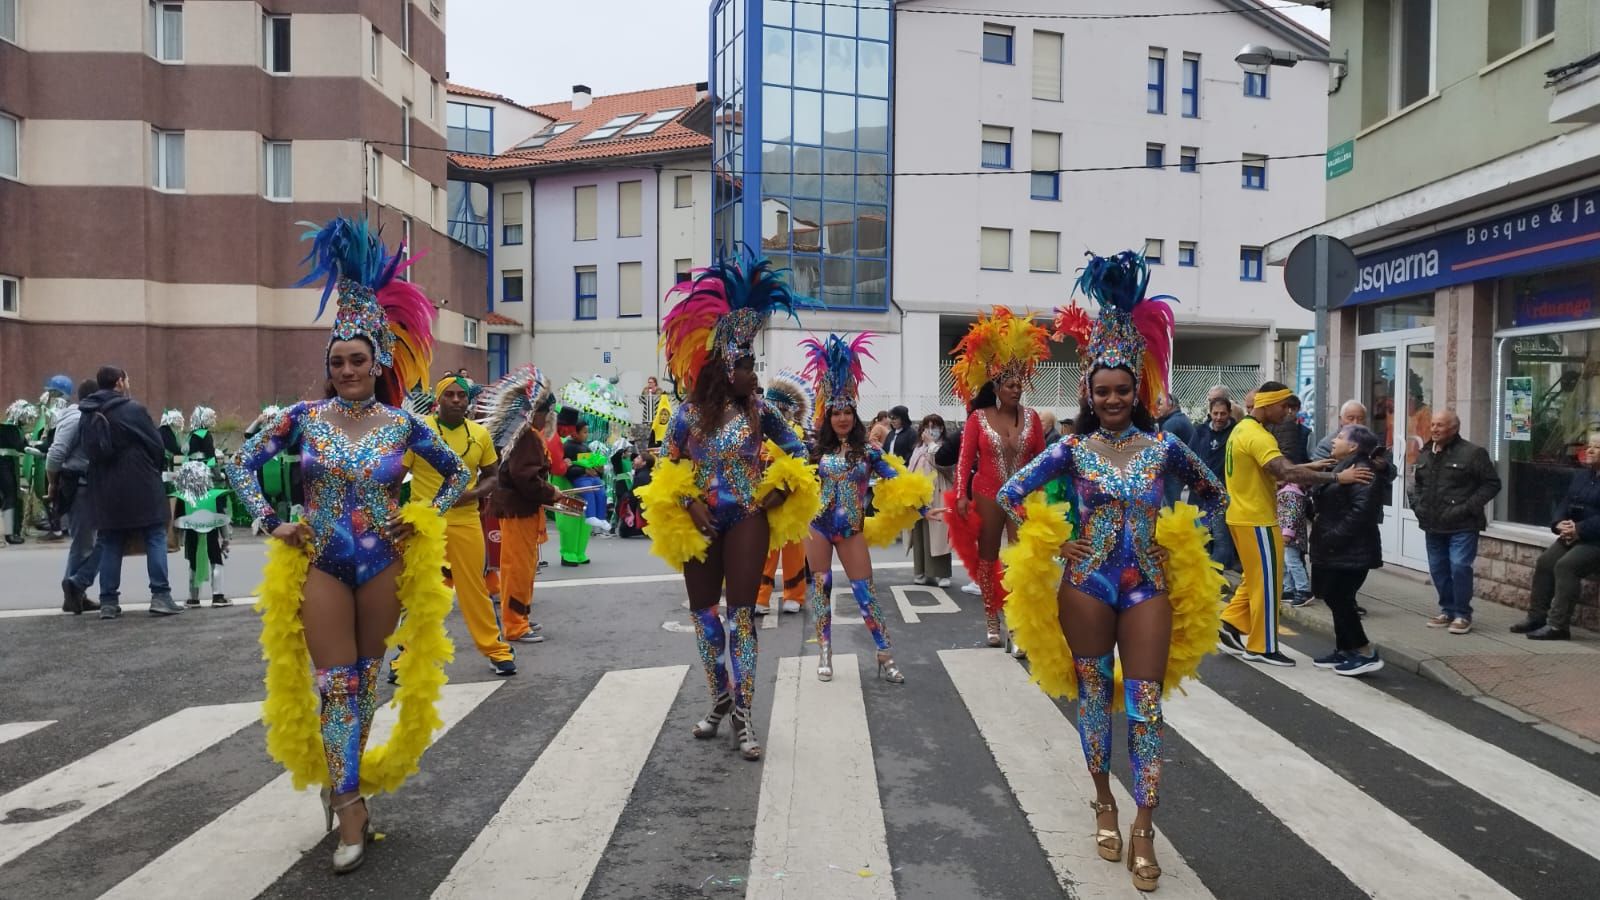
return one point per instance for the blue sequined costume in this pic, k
(727, 468)
(351, 486)
(1117, 508)
(844, 491)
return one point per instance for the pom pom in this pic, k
(673, 536)
(897, 503)
(790, 521)
(1032, 576)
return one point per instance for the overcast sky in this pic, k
(534, 52)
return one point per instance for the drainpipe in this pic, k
(658, 299)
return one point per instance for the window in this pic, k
(8, 20)
(1191, 85)
(1046, 180)
(994, 250)
(10, 147)
(630, 290)
(405, 132)
(511, 286)
(499, 351)
(470, 328)
(470, 128)
(1154, 249)
(1046, 65)
(1156, 82)
(1250, 264)
(681, 270)
(511, 219)
(996, 147)
(545, 136)
(277, 170)
(1044, 251)
(1255, 84)
(1514, 24)
(375, 174)
(1155, 156)
(587, 292)
(583, 213)
(1189, 159)
(1254, 170)
(375, 54)
(166, 160)
(436, 215)
(997, 43)
(1186, 253)
(10, 296)
(405, 245)
(610, 128)
(433, 100)
(275, 44)
(1411, 51)
(653, 122)
(405, 30)
(1538, 19)
(683, 191)
(629, 196)
(164, 31)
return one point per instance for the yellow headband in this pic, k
(449, 380)
(1268, 398)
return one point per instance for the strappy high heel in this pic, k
(720, 707)
(887, 670)
(1146, 873)
(745, 732)
(993, 621)
(825, 660)
(1107, 840)
(349, 857)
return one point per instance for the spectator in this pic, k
(1559, 573)
(1294, 512)
(930, 539)
(128, 499)
(1047, 423)
(1172, 419)
(877, 434)
(1346, 545)
(67, 471)
(1452, 483)
(1351, 413)
(1211, 445)
(1219, 390)
(902, 439)
(1293, 438)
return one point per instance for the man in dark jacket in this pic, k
(1453, 481)
(902, 437)
(1211, 445)
(129, 501)
(1559, 573)
(1172, 419)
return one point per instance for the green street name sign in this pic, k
(1341, 159)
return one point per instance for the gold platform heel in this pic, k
(1107, 840)
(1146, 873)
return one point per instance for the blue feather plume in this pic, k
(1115, 281)
(346, 248)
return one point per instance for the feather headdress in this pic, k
(999, 346)
(793, 395)
(1133, 331)
(505, 407)
(719, 312)
(392, 313)
(837, 370)
(203, 418)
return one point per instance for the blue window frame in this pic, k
(499, 356)
(1046, 186)
(996, 152)
(587, 292)
(1186, 253)
(1191, 86)
(1250, 264)
(1155, 155)
(511, 286)
(1156, 83)
(1254, 172)
(1189, 159)
(997, 44)
(1255, 84)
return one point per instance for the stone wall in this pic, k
(1504, 575)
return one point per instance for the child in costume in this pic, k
(353, 445)
(1136, 583)
(713, 512)
(201, 501)
(794, 398)
(20, 417)
(994, 364)
(846, 465)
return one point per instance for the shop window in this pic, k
(1396, 315)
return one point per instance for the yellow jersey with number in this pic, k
(1252, 493)
(472, 443)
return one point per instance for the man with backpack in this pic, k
(128, 499)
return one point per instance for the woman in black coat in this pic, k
(1346, 545)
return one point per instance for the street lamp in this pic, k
(1258, 58)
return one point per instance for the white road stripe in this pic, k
(41, 809)
(1038, 751)
(244, 850)
(10, 731)
(1380, 852)
(819, 824)
(1559, 807)
(547, 837)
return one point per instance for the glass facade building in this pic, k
(801, 141)
(470, 130)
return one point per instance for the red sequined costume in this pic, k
(985, 466)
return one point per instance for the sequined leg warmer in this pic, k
(1145, 722)
(742, 655)
(340, 687)
(994, 595)
(821, 600)
(871, 613)
(370, 668)
(712, 642)
(1095, 677)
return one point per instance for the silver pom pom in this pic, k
(202, 418)
(22, 413)
(193, 481)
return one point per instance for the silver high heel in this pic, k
(720, 707)
(745, 731)
(992, 620)
(887, 670)
(825, 661)
(349, 857)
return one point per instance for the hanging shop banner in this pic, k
(1519, 409)
(1560, 232)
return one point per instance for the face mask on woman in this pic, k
(935, 433)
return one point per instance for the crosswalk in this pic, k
(818, 825)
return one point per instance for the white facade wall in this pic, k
(946, 93)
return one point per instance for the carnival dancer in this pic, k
(994, 364)
(20, 417)
(794, 398)
(712, 512)
(203, 515)
(464, 544)
(846, 466)
(1134, 583)
(336, 583)
(172, 425)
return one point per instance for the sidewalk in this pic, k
(1541, 683)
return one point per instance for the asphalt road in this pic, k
(578, 776)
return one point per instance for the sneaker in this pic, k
(220, 600)
(1523, 627)
(791, 606)
(1230, 641)
(532, 637)
(193, 602)
(164, 605)
(503, 667)
(972, 588)
(72, 597)
(1439, 621)
(1356, 664)
(569, 564)
(1549, 633)
(1300, 600)
(1275, 658)
(600, 525)
(943, 582)
(1331, 661)
(919, 579)
(762, 610)
(535, 627)
(110, 611)
(1460, 626)
(544, 563)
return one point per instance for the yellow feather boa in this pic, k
(673, 536)
(897, 502)
(290, 712)
(790, 521)
(1033, 578)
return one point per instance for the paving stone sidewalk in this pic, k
(1546, 684)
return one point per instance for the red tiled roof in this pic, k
(569, 147)
(495, 318)
(464, 91)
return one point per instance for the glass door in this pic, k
(1413, 429)
(1395, 378)
(1377, 378)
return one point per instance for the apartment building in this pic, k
(594, 215)
(155, 158)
